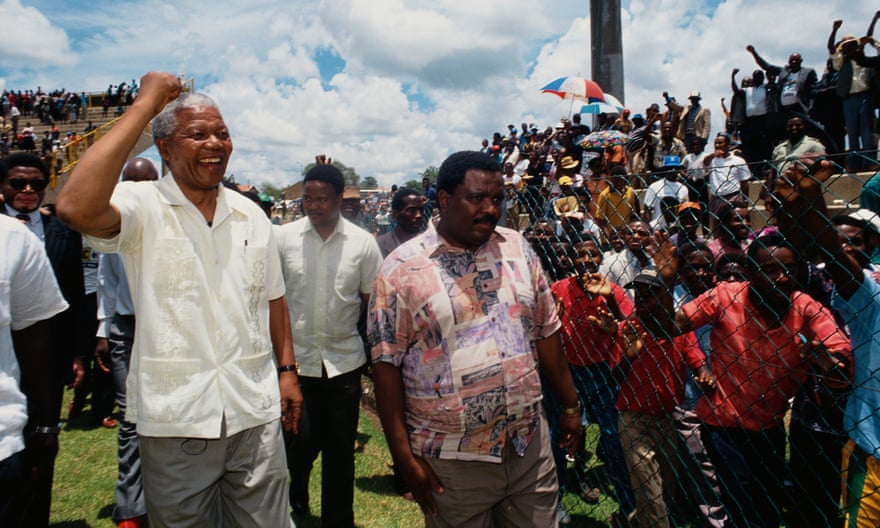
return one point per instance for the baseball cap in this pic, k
(695, 93)
(671, 161)
(868, 216)
(684, 206)
(649, 277)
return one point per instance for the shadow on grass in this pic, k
(360, 441)
(107, 511)
(83, 422)
(380, 484)
(307, 521)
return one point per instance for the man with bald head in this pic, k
(205, 276)
(795, 82)
(140, 169)
(115, 338)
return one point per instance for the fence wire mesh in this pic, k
(740, 421)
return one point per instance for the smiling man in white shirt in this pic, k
(207, 288)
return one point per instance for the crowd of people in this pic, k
(540, 284)
(20, 109)
(686, 439)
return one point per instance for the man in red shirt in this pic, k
(591, 355)
(652, 374)
(764, 337)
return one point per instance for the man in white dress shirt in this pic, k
(207, 289)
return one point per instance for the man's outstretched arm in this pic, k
(804, 220)
(84, 202)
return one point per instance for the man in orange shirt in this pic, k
(765, 338)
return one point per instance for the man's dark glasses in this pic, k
(20, 183)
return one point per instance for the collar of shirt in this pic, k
(435, 244)
(35, 220)
(171, 193)
(34, 216)
(339, 229)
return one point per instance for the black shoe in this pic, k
(300, 509)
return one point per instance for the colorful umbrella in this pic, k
(604, 139)
(575, 88)
(611, 105)
(613, 101)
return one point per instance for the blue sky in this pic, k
(391, 87)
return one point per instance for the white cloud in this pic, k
(418, 78)
(29, 40)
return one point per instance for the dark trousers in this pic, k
(756, 143)
(12, 479)
(328, 425)
(96, 381)
(815, 463)
(751, 471)
(129, 487)
(35, 498)
(858, 113)
(698, 493)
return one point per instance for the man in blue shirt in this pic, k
(857, 298)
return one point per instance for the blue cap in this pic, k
(638, 116)
(671, 161)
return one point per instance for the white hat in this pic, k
(868, 216)
(695, 93)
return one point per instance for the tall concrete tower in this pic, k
(606, 41)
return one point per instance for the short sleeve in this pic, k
(623, 301)
(34, 293)
(690, 350)
(389, 328)
(274, 276)
(742, 172)
(370, 265)
(546, 317)
(824, 328)
(650, 198)
(703, 310)
(128, 199)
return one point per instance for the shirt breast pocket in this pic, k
(348, 278)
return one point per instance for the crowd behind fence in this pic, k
(767, 449)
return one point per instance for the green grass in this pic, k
(85, 476)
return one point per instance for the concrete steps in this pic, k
(841, 195)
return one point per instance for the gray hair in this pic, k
(166, 120)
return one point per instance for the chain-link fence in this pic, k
(742, 420)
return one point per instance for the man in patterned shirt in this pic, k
(460, 319)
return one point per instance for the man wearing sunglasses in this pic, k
(23, 188)
(23, 181)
